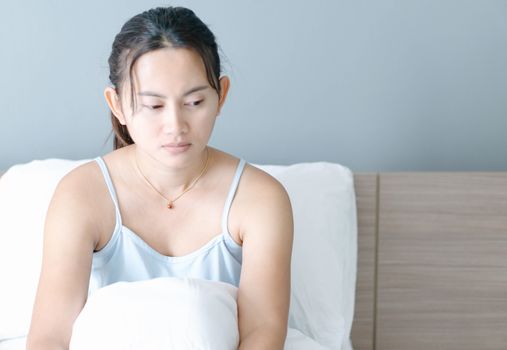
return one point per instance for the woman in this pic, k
(153, 206)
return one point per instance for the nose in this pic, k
(173, 121)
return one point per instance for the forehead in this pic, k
(169, 71)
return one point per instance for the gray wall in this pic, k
(374, 85)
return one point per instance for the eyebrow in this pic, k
(191, 91)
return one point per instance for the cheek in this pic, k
(140, 128)
(210, 125)
(208, 116)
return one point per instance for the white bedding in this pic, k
(18, 343)
(295, 341)
(165, 313)
(323, 264)
(162, 313)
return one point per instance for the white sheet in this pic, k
(295, 341)
(18, 343)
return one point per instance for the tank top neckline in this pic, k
(180, 258)
(119, 227)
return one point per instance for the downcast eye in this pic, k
(153, 106)
(194, 103)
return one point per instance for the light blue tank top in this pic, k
(127, 257)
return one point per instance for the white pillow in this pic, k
(161, 313)
(325, 249)
(323, 260)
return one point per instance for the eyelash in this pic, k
(190, 104)
(154, 107)
(194, 103)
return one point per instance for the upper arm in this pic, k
(69, 240)
(264, 289)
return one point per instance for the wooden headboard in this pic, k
(432, 261)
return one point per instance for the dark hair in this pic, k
(155, 29)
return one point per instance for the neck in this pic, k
(169, 180)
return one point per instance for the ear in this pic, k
(224, 89)
(114, 104)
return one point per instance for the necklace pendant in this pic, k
(170, 205)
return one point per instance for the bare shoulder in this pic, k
(260, 197)
(78, 197)
(81, 183)
(258, 184)
(265, 204)
(254, 181)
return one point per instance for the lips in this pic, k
(177, 148)
(179, 144)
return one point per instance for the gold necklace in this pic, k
(170, 203)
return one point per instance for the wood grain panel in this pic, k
(442, 261)
(363, 327)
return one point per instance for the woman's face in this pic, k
(175, 105)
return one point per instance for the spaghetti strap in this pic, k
(109, 183)
(232, 192)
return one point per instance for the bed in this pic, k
(431, 261)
